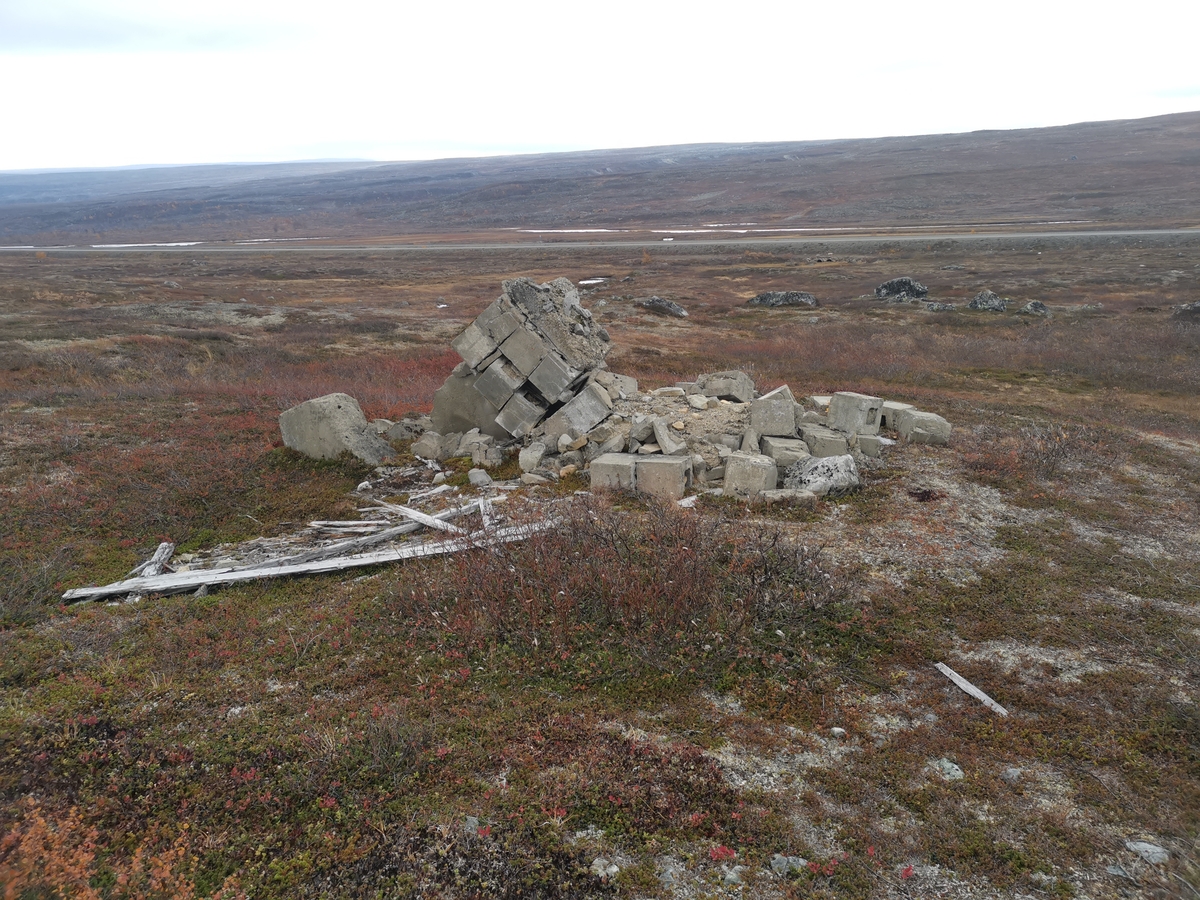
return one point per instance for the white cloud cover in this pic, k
(122, 82)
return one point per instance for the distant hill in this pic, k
(1139, 173)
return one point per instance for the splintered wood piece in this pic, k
(971, 689)
(154, 565)
(188, 581)
(417, 516)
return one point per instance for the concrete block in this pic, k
(934, 429)
(668, 392)
(749, 474)
(665, 477)
(552, 376)
(751, 442)
(498, 382)
(428, 446)
(625, 384)
(641, 427)
(698, 401)
(870, 445)
(785, 451)
(789, 496)
(590, 407)
(328, 426)
(820, 401)
(520, 415)
(457, 406)
(473, 345)
(774, 413)
(668, 440)
(822, 441)
(727, 386)
(889, 412)
(479, 478)
(502, 326)
(531, 457)
(615, 472)
(524, 350)
(854, 413)
(614, 444)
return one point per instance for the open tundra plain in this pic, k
(643, 701)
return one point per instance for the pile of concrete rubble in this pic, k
(533, 381)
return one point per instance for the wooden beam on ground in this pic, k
(417, 516)
(179, 582)
(971, 689)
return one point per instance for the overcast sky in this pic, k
(125, 82)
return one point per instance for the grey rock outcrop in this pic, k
(941, 307)
(663, 307)
(901, 288)
(1035, 308)
(1189, 312)
(328, 426)
(774, 299)
(831, 476)
(988, 302)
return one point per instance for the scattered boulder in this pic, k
(947, 769)
(941, 307)
(328, 426)
(663, 307)
(1188, 312)
(830, 476)
(783, 866)
(1035, 308)
(774, 299)
(988, 301)
(903, 288)
(1151, 853)
(922, 427)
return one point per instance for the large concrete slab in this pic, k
(785, 451)
(458, 407)
(823, 441)
(520, 415)
(889, 412)
(923, 427)
(499, 382)
(524, 350)
(552, 376)
(473, 345)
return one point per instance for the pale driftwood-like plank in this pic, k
(971, 689)
(154, 565)
(187, 581)
(417, 516)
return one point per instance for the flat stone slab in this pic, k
(615, 472)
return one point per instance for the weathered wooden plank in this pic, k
(970, 689)
(186, 581)
(424, 518)
(154, 565)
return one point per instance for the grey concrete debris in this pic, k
(823, 441)
(326, 427)
(784, 451)
(663, 307)
(988, 301)
(734, 385)
(774, 413)
(749, 474)
(479, 478)
(922, 427)
(901, 288)
(831, 476)
(665, 477)
(854, 413)
(784, 298)
(531, 457)
(1151, 853)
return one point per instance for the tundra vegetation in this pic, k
(673, 693)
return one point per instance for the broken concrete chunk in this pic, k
(870, 445)
(785, 451)
(787, 495)
(749, 474)
(590, 407)
(697, 401)
(823, 441)
(520, 415)
(665, 477)
(670, 444)
(932, 427)
(668, 392)
(751, 442)
(328, 426)
(889, 411)
(531, 457)
(499, 382)
(473, 345)
(830, 476)
(615, 472)
(853, 413)
(552, 375)
(457, 406)
(524, 350)
(428, 446)
(774, 413)
(479, 478)
(731, 385)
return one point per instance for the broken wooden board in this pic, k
(186, 581)
(971, 689)
(417, 516)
